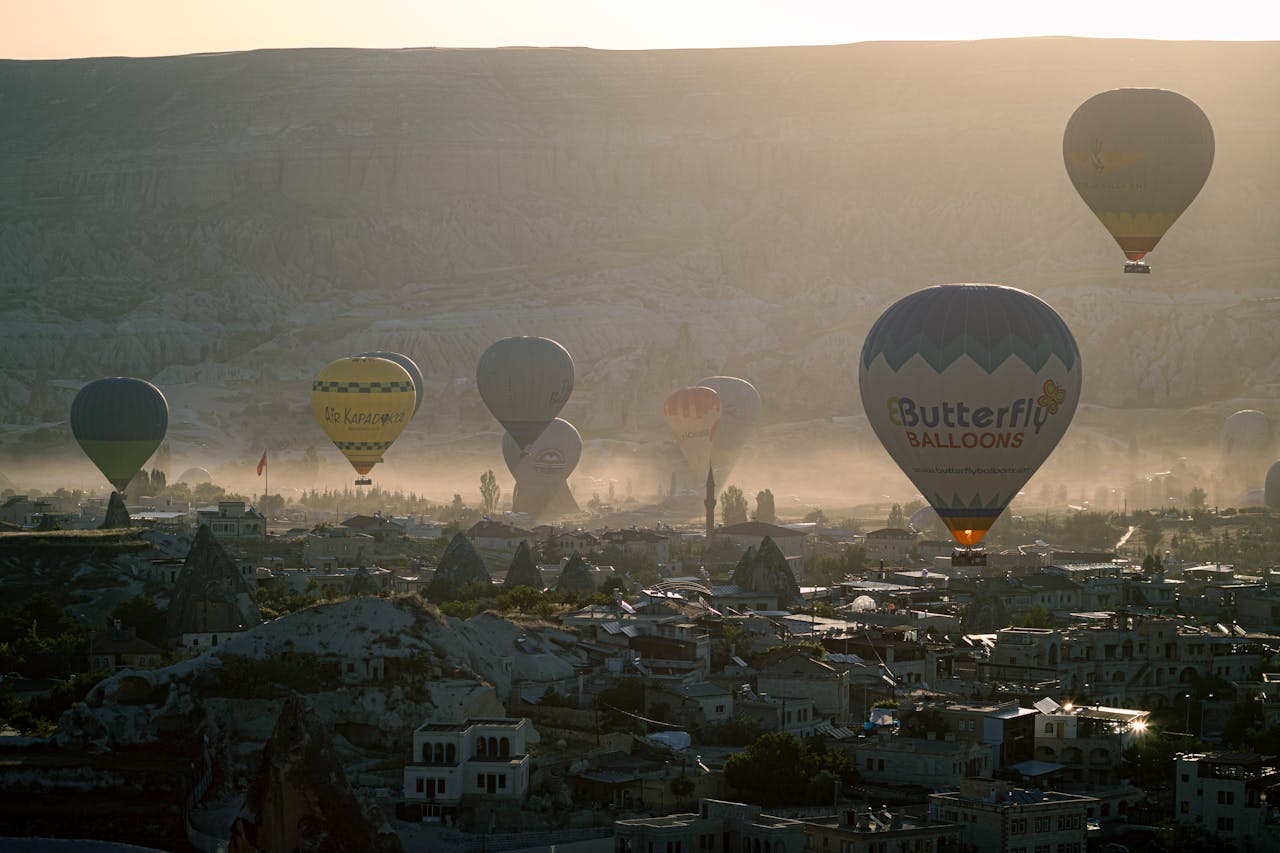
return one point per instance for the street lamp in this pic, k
(1203, 703)
(1187, 725)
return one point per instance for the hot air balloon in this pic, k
(969, 387)
(363, 404)
(410, 366)
(119, 422)
(525, 382)
(1246, 441)
(1138, 157)
(1271, 489)
(542, 469)
(692, 414)
(740, 411)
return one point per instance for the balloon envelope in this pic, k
(363, 404)
(1138, 157)
(410, 366)
(119, 422)
(1271, 491)
(740, 412)
(525, 382)
(542, 469)
(969, 387)
(692, 414)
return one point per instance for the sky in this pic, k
(49, 29)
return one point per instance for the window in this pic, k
(1226, 823)
(1048, 728)
(870, 764)
(1018, 827)
(439, 786)
(502, 782)
(880, 764)
(1042, 825)
(479, 780)
(1042, 848)
(719, 709)
(1184, 807)
(1226, 798)
(422, 785)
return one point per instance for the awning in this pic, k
(1035, 768)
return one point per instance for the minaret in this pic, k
(710, 503)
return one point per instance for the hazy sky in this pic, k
(61, 28)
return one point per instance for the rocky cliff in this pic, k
(226, 224)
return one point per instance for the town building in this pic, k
(481, 759)
(997, 818)
(1007, 730)
(233, 520)
(336, 547)
(890, 545)
(717, 825)
(791, 673)
(880, 831)
(120, 647)
(496, 542)
(935, 762)
(749, 534)
(634, 541)
(1232, 794)
(1088, 742)
(1122, 658)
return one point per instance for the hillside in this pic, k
(224, 225)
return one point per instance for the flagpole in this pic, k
(266, 476)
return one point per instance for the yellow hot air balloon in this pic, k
(1138, 158)
(363, 404)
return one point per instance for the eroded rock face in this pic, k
(576, 576)
(460, 564)
(767, 571)
(117, 514)
(523, 571)
(300, 798)
(211, 595)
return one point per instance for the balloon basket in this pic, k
(961, 557)
(1137, 266)
(364, 481)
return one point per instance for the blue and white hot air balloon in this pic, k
(969, 387)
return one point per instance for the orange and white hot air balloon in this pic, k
(692, 414)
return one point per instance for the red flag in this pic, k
(262, 463)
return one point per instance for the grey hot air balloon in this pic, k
(739, 414)
(525, 382)
(119, 422)
(410, 366)
(1272, 489)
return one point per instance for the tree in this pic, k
(271, 506)
(897, 519)
(1196, 498)
(490, 492)
(733, 506)
(142, 615)
(1036, 617)
(765, 510)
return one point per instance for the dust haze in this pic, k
(224, 226)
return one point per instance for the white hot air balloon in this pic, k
(541, 470)
(969, 387)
